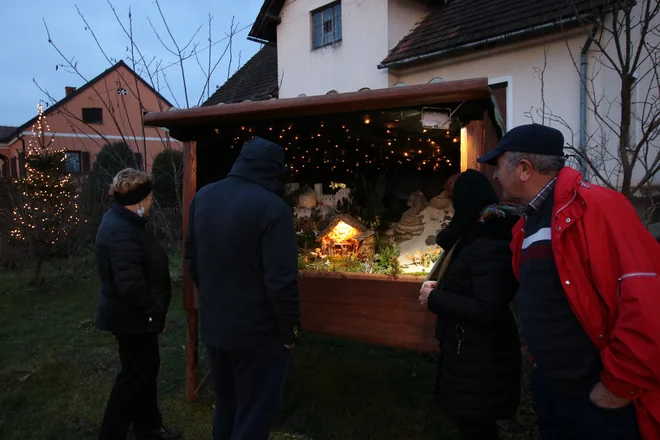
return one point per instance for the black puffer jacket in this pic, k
(481, 378)
(134, 273)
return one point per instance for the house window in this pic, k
(326, 25)
(72, 162)
(92, 115)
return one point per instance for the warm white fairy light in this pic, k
(50, 206)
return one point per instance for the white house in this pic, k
(532, 51)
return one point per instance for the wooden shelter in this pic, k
(371, 308)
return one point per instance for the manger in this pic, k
(366, 172)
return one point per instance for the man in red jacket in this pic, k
(589, 298)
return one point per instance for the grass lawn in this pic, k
(56, 371)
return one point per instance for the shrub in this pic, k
(167, 173)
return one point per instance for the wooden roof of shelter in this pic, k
(349, 220)
(184, 124)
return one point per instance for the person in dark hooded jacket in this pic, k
(480, 364)
(135, 295)
(242, 255)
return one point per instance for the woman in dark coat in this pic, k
(480, 363)
(134, 298)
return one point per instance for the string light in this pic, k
(50, 203)
(387, 143)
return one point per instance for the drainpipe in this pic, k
(584, 64)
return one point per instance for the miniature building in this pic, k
(342, 236)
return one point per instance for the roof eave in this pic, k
(433, 56)
(186, 122)
(268, 16)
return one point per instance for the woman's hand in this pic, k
(424, 293)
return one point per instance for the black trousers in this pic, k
(563, 416)
(248, 387)
(133, 399)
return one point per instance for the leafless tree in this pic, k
(622, 149)
(153, 70)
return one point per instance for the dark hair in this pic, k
(449, 186)
(471, 192)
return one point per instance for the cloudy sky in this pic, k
(26, 54)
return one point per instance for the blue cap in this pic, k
(530, 138)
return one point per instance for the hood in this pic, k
(472, 193)
(261, 162)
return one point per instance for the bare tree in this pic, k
(154, 71)
(622, 149)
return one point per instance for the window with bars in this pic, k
(326, 25)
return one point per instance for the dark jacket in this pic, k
(478, 335)
(242, 254)
(134, 273)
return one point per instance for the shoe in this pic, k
(160, 434)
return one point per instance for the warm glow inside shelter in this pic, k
(415, 134)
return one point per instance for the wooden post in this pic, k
(189, 294)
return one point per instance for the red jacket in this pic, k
(609, 265)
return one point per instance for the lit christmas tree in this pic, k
(47, 208)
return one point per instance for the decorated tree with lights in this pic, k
(46, 210)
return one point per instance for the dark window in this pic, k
(326, 25)
(21, 165)
(13, 165)
(86, 161)
(4, 167)
(92, 115)
(72, 162)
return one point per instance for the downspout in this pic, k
(584, 64)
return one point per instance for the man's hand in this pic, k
(603, 398)
(290, 347)
(424, 293)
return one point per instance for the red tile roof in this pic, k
(473, 24)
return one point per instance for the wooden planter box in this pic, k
(372, 308)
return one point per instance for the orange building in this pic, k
(108, 109)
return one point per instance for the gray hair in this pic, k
(544, 164)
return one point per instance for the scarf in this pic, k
(494, 210)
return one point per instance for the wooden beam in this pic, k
(189, 293)
(368, 100)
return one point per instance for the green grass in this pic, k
(56, 371)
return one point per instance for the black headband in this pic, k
(136, 196)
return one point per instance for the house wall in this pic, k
(121, 120)
(604, 87)
(528, 69)
(544, 86)
(370, 29)
(402, 16)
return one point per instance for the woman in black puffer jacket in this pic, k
(135, 296)
(480, 364)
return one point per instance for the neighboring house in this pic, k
(107, 109)
(529, 49)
